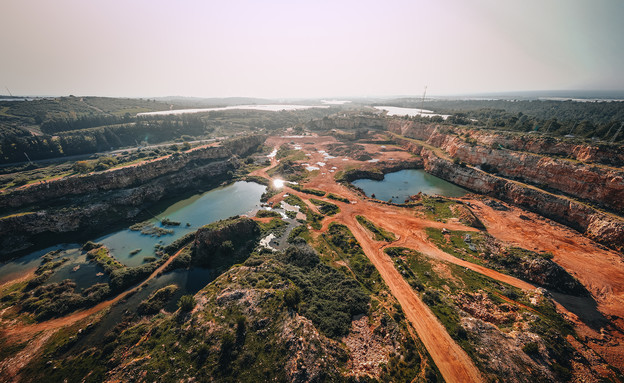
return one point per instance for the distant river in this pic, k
(270, 108)
(398, 186)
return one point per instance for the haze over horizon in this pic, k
(280, 49)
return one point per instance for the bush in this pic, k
(268, 213)
(531, 349)
(292, 297)
(186, 303)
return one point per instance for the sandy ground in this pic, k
(600, 270)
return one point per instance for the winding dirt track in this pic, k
(601, 271)
(452, 361)
(39, 333)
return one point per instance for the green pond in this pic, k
(398, 186)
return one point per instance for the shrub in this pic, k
(531, 349)
(292, 297)
(186, 303)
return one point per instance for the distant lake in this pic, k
(398, 186)
(396, 111)
(270, 108)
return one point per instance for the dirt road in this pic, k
(39, 333)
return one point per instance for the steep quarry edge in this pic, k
(97, 211)
(602, 227)
(128, 176)
(600, 185)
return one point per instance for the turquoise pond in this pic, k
(398, 186)
(192, 212)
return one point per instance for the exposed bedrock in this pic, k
(607, 154)
(128, 176)
(97, 210)
(601, 185)
(602, 227)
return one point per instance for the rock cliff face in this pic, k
(601, 227)
(100, 209)
(92, 202)
(128, 176)
(601, 185)
(599, 154)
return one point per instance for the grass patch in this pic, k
(347, 248)
(315, 192)
(336, 197)
(276, 226)
(379, 233)
(325, 208)
(104, 259)
(438, 208)
(268, 213)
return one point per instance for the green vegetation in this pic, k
(312, 218)
(257, 179)
(379, 233)
(328, 297)
(148, 228)
(156, 301)
(554, 118)
(346, 247)
(269, 193)
(125, 277)
(221, 244)
(168, 222)
(325, 208)
(337, 198)
(315, 192)
(268, 213)
(285, 152)
(447, 288)
(482, 249)
(104, 259)
(300, 232)
(289, 170)
(186, 303)
(276, 226)
(438, 208)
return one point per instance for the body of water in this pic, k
(398, 186)
(192, 213)
(196, 211)
(269, 108)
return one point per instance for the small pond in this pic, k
(398, 186)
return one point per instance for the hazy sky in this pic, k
(308, 48)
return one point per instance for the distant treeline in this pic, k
(92, 140)
(84, 122)
(601, 120)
